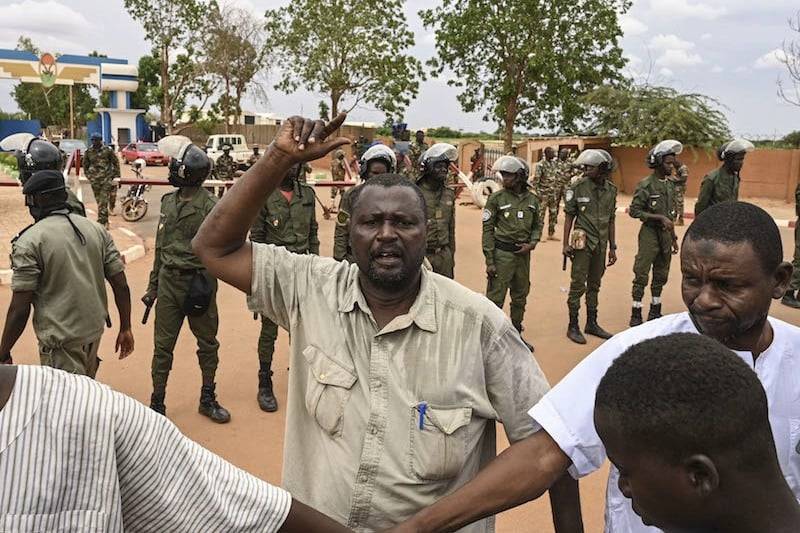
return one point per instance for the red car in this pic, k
(147, 151)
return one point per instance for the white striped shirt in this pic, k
(77, 456)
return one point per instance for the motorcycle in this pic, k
(134, 205)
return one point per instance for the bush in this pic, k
(8, 160)
(793, 139)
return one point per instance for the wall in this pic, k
(766, 173)
(10, 127)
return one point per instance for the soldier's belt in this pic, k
(435, 250)
(506, 246)
(183, 271)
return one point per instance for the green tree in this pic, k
(353, 52)
(524, 63)
(324, 111)
(172, 25)
(792, 139)
(234, 56)
(51, 106)
(644, 115)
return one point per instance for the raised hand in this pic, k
(301, 139)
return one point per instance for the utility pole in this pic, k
(71, 114)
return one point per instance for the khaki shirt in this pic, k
(67, 277)
(292, 225)
(441, 204)
(594, 209)
(717, 186)
(354, 446)
(510, 218)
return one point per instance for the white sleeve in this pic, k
(567, 411)
(168, 482)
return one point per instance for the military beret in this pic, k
(44, 181)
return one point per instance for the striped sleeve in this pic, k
(170, 483)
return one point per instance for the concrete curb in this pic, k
(688, 215)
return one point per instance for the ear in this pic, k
(702, 473)
(783, 275)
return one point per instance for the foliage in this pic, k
(146, 95)
(644, 115)
(353, 52)
(324, 111)
(172, 25)
(17, 115)
(51, 106)
(234, 56)
(525, 64)
(790, 91)
(792, 139)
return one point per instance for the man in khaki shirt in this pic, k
(397, 374)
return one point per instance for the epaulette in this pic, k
(18, 235)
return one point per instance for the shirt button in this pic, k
(373, 430)
(363, 478)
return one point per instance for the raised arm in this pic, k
(221, 241)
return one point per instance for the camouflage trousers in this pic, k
(549, 202)
(105, 194)
(680, 190)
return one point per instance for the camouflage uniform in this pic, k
(415, 151)
(225, 167)
(441, 245)
(565, 173)
(101, 167)
(304, 172)
(546, 184)
(679, 181)
(337, 173)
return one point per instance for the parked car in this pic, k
(147, 151)
(239, 150)
(70, 145)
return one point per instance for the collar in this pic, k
(422, 312)
(22, 405)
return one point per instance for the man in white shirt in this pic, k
(731, 261)
(77, 456)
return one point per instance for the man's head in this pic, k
(256, 149)
(597, 165)
(436, 162)
(45, 192)
(291, 177)
(731, 261)
(226, 149)
(563, 154)
(97, 140)
(662, 157)
(732, 154)
(685, 422)
(379, 159)
(513, 172)
(388, 230)
(419, 136)
(339, 154)
(189, 165)
(549, 153)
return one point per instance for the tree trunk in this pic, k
(228, 111)
(511, 116)
(335, 97)
(166, 107)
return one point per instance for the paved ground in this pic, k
(254, 440)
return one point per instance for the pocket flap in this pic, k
(448, 420)
(327, 370)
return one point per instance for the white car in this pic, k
(239, 150)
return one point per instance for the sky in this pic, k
(726, 49)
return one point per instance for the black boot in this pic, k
(266, 399)
(655, 312)
(157, 403)
(519, 328)
(790, 299)
(210, 407)
(573, 331)
(593, 328)
(636, 317)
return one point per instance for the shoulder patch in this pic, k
(342, 218)
(486, 215)
(570, 194)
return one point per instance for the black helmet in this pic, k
(192, 169)
(32, 153)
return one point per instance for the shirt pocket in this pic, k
(328, 388)
(438, 443)
(66, 522)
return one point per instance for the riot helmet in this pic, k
(189, 165)
(594, 157)
(379, 152)
(512, 165)
(32, 153)
(435, 154)
(656, 155)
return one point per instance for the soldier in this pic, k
(722, 184)
(566, 171)
(477, 163)
(679, 180)
(179, 285)
(511, 231)
(790, 298)
(546, 184)
(254, 157)
(337, 174)
(288, 219)
(377, 160)
(34, 154)
(225, 168)
(415, 151)
(441, 205)
(60, 265)
(591, 203)
(307, 170)
(101, 166)
(361, 146)
(654, 204)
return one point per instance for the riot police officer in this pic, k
(511, 230)
(654, 204)
(722, 184)
(179, 285)
(379, 159)
(441, 203)
(33, 154)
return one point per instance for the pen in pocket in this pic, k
(422, 408)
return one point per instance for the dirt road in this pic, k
(253, 440)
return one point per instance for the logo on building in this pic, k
(47, 70)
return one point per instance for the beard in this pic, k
(395, 279)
